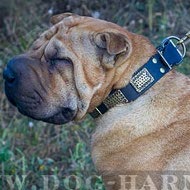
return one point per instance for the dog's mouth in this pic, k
(62, 116)
(36, 107)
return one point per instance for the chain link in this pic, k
(184, 39)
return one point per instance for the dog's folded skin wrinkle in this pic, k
(148, 134)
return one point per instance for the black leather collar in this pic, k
(167, 56)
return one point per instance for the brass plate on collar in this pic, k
(116, 98)
(141, 80)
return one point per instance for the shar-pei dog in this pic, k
(85, 65)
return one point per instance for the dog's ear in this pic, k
(57, 18)
(115, 44)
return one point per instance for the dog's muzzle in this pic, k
(25, 90)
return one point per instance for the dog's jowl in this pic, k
(72, 68)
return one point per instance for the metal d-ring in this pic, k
(178, 39)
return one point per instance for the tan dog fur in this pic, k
(151, 133)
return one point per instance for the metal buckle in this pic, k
(164, 44)
(96, 112)
(160, 53)
(178, 40)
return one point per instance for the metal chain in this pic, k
(184, 39)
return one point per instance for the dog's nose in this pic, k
(8, 75)
(10, 72)
(16, 69)
(18, 78)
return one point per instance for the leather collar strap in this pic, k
(167, 56)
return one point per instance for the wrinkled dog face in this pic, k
(65, 73)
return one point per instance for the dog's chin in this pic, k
(40, 110)
(64, 115)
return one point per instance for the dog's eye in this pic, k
(65, 60)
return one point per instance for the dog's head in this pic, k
(69, 70)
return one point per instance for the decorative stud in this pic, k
(162, 70)
(154, 60)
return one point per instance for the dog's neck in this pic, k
(143, 78)
(120, 75)
(166, 56)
